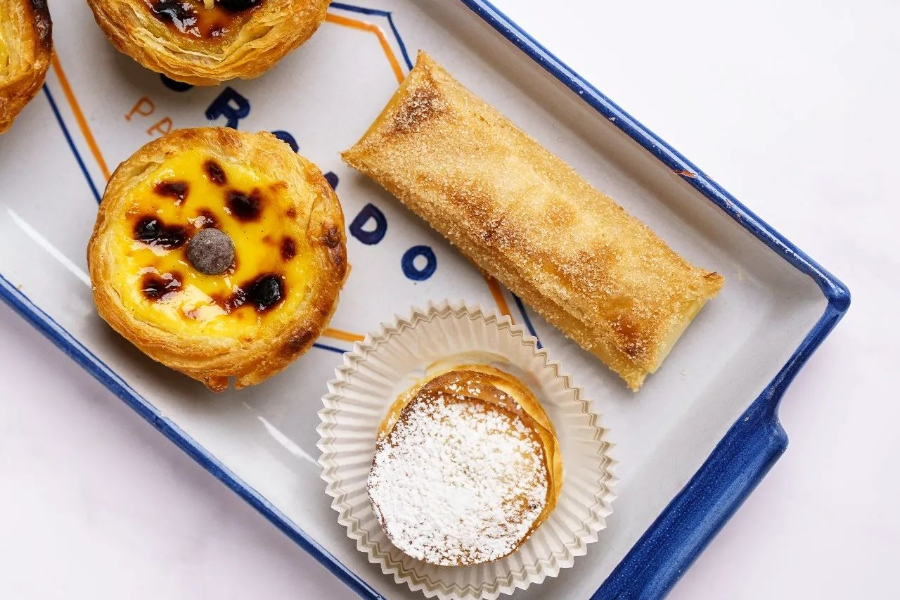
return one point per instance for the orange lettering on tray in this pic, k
(143, 107)
(162, 127)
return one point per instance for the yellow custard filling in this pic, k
(191, 191)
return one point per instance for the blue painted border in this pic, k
(327, 347)
(527, 320)
(698, 512)
(70, 142)
(380, 13)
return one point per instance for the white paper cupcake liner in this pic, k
(387, 363)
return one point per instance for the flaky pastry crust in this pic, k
(253, 41)
(25, 35)
(526, 217)
(283, 336)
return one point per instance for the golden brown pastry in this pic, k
(527, 218)
(205, 42)
(25, 50)
(466, 467)
(219, 254)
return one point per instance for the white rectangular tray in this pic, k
(692, 444)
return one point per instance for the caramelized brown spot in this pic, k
(338, 256)
(172, 189)
(239, 5)
(629, 339)
(244, 207)
(332, 237)
(478, 207)
(337, 251)
(179, 14)
(264, 293)
(215, 172)
(299, 342)
(288, 249)
(423, 104)
(196, 21)
(217, 30)
(42, 24)
(291, 213)
(153, 232)
(157, 287)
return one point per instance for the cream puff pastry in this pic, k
(219, 254)
(527, 218)
(467, 466)
(25, 51)
(205, 42)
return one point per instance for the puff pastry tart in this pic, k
(219, 254)
(204, 42)
(527, 218)
(25, 51)
(466, 467)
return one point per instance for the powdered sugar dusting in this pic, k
(458, 481)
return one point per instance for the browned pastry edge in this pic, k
(33, 41)
(214, 361)
(270, 32)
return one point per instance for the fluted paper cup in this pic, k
(402, 353)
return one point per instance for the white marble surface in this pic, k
(792, 107)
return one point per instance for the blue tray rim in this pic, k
(690, 521)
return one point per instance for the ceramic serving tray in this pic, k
(691, 444)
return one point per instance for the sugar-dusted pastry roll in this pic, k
(527, 218)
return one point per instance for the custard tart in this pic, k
(218, 253)
(25, 51)
(205, 42)
(467, 466)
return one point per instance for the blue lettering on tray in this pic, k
(409, 263)
(370, 212)
(288, 139)
(332, 179)
(176, 86)
(229, 104)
